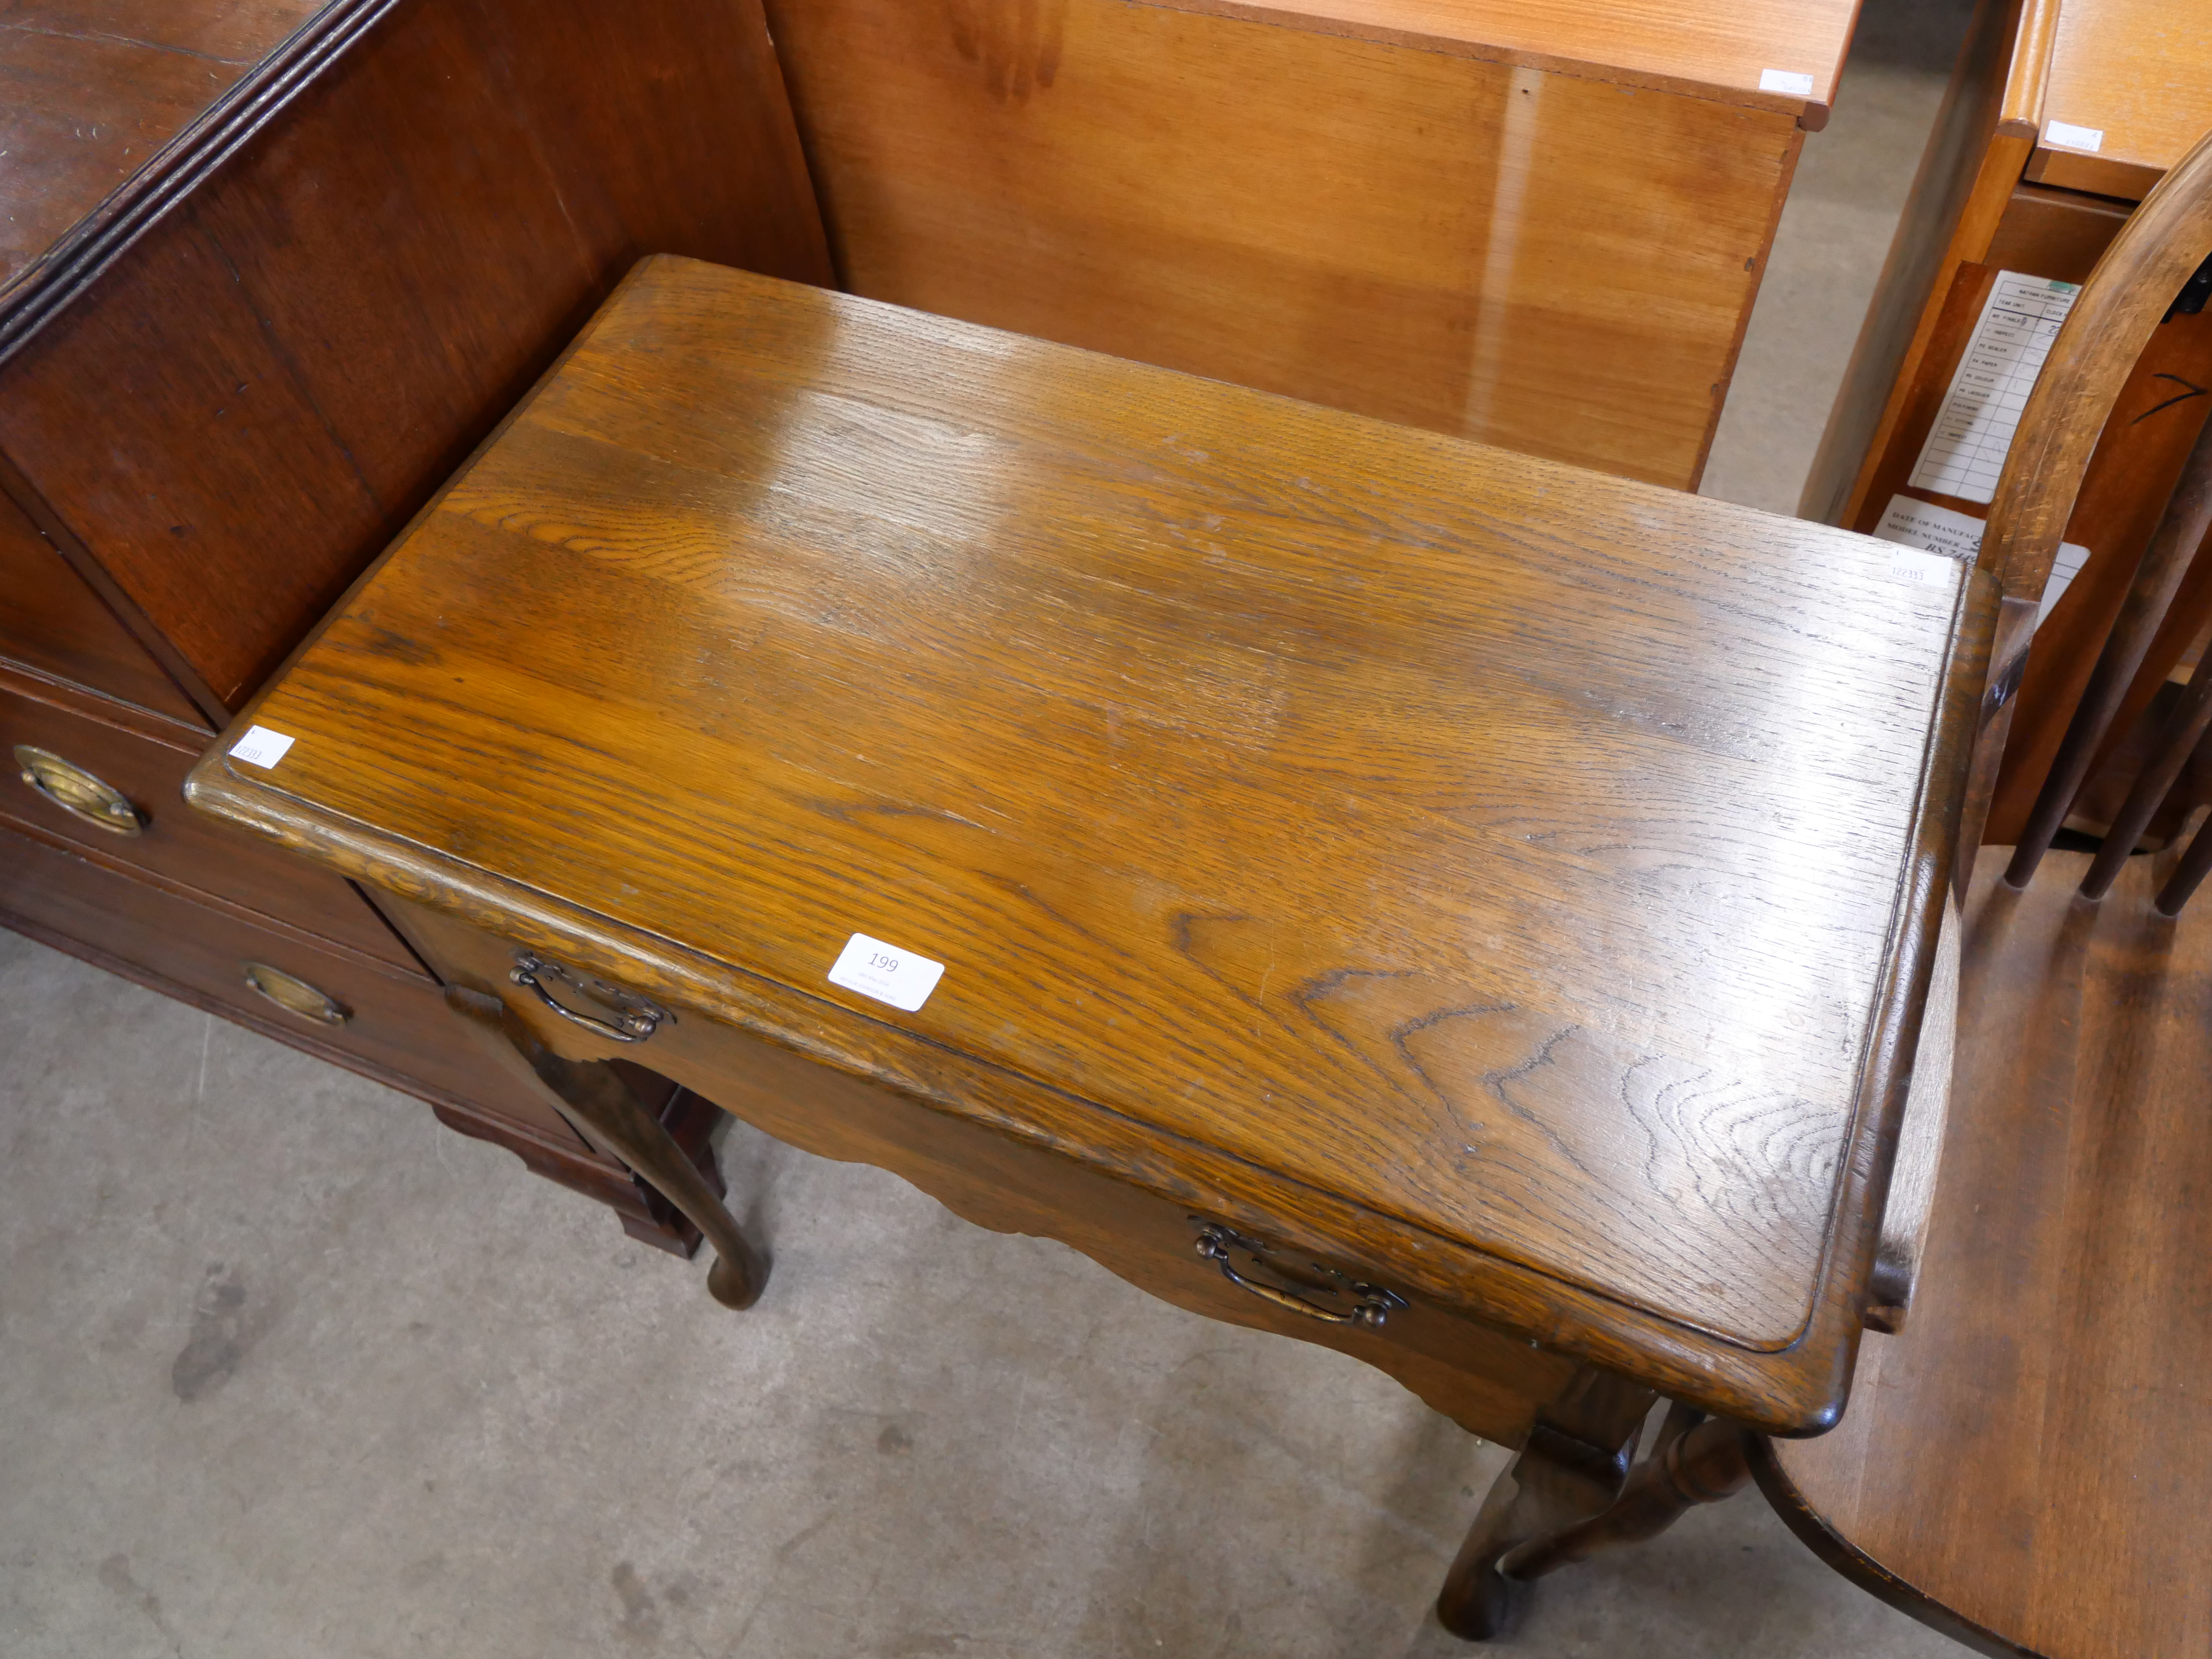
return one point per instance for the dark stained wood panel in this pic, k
(372, 280)
(51, 620)
(92, 92)
(1509, 851)
(76, 897)
(216, 479)
(174, 842)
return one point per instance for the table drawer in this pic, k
(96, 782)
(396, 1022)
(51, 620)
(1488, 1381)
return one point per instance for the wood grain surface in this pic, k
(1525, 876)
(79, 898)
(2026, 1466)
(1551, 261)
(1708, 47)
(186, 847)
(1490, 1383)
(51, 620)
(93, 92)
(253, 399)
(2138, 71)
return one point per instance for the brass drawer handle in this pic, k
(294, 995)
(79, 793)
(1370, 1304)
(636, 1018)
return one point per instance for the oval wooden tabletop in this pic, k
(1515, 852)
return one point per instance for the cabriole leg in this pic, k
(592, 1095)
(1572, 1467)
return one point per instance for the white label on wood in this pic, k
(260, 746)
(1934, 530)
(1973, 431)
(2073, 137)
(1788, 81)
(1910, 564)
(886, 972)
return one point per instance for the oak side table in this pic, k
(1349, 882)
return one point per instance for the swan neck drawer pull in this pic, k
(634, 1017)
(1368, 1306)
(79, 793)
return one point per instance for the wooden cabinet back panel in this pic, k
(177, 842)
(1546, 262)
(397, 1022)
(51, 621)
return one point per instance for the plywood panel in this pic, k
(1554, 264)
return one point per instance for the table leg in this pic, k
(1695, 1461)
(1572, 1467)
(591, 1095)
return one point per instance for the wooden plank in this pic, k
(1705, 49)
(246, 407)
(51, 622)
(1544, 261)
(92, 92)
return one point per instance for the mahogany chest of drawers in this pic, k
(268, 272)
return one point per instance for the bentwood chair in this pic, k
(2026, 1460)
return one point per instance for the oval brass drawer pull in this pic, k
(294, 995)
(1360, 1303)
(635, 1018)
(77, 792)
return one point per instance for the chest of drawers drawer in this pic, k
(386, 1021)
(119, 791)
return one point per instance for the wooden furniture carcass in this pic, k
(1470, 912)
(267, 273)
(1536, 223)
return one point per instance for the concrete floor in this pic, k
(286, 1368)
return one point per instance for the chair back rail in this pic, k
(2126, 297)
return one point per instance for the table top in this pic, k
(2135, 73)
(1515, 853)
(101, 101)
(1778, 54)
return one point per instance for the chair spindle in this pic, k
(2188, 875)
(2180, 531)
(2183, 732)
